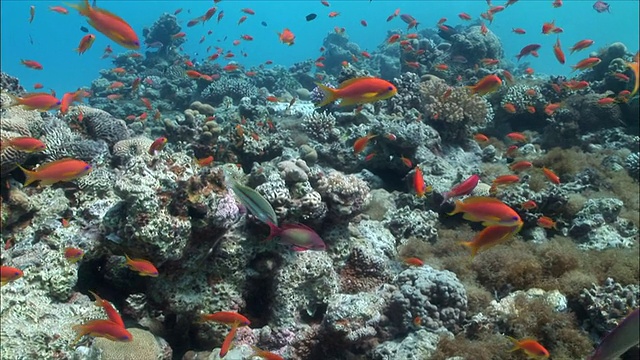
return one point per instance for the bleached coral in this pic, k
(320, 125)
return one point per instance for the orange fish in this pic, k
(406, 162)
(226, 317)
(143, 267)
(582, 44)
(606, 101)
(73, 255)
(551, 108)
(85, 43)
(413, 261)
(528, 205)
(530, 109)
(491, 236)
(66, 101)
(111, 25)
(546, 222)
(393, 38)
(193, 74)
(112, 313)
(226, 344)
(103, 328)
(516, 136)
(157, 145)
(510, 108)
(486, 85)
(464, 16)
(178, 35)
(267, 355)
(587, 63)
(32, 64)
(204, 161)
(26, 144)
(532, 348)
(8, 274)
(520, 165)
(481, 138)
(551, 176)
(59, 10)
(116, 85)
(286, 37)
(503, 180)
(360, 90)
(488, 210)
(56, 171)
(548, 27)
(557, 51)
(361, 143)
(333, 14)
(38, 86)
(418, 183)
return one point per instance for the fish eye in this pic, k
(390, 88)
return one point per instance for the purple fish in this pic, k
(155, 45)
(601, 6)
(622, 338)
(408, 18)
(300, 237)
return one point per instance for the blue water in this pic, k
(55, 36)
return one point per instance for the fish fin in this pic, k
(349, 102)
(370, 95)
(516, 343)
(83, 8)
(457, 209)
(471, 217)
(329, 95)
(31, 176)
(470, 245)
(351, 81)
(481, 199)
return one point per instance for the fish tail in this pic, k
(83, 8)
(516, 343)
(31, 176)
(470, 245)
(329, 95)
(13, 100)
(457, 209)
(81, 332)
(274, 231)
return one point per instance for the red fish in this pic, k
(582, 44)
(85, 43)
(418, 183)
(59, 10)
(532, 348)
(551, 176)
(481, 138)
(519, 31)
(73, 255)
(486, 85)
(518, 137)
(587, 63)
(226, 344)
(8, 274)
(520, 165)
(557, 51)
(464, 16)
(143, 267)
(26, 144)
(157, 145)
(488, 210)
(360, 90)
(361, 143)
(56, 171)
(111, 312)
(464, 188)
(527, 50)
(546, 222)
(267, 355)
(103, 328)
(286, 37)
(226, 317)
(111, 25)
(491, 236)
(248, 11)
(32, 64)
(413, 261)
(548, 27)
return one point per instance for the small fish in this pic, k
(73, 255)
(587, 63)
(32, 13)
(225, 317)
(333, 14)
(622, 338)
(267, 355)
(111, 25)
(111, 312)
(531, 347)
(56, 171)
(143, 267)
(59, 10)
(464, 188)
(204, 161)
(361, 143)
(299, 236)
(503, 180)
(481, 138)
(519, 31)
(520, 165)
(31, 64)
(226, 344)
(581, 45)
(85, 43)
(601, 6)
(157, 145)
(546, 222)
(557, 51)
(510, 108)
(286, 37)
(263, 23)
(103, 328)
(517, 137)
(549, 109)
(418, 183)
(359, 90)
(547, 27)
(26, 144)
(255, 203)
(557, 3)
(528, 205)
(488, 210)
(528, 50)
(549, 174)
(413, 261)
(8, 274)
(491, 236)
(464, 16)
(486, 85)
(606, 101)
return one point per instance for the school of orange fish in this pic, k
(501, 221)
